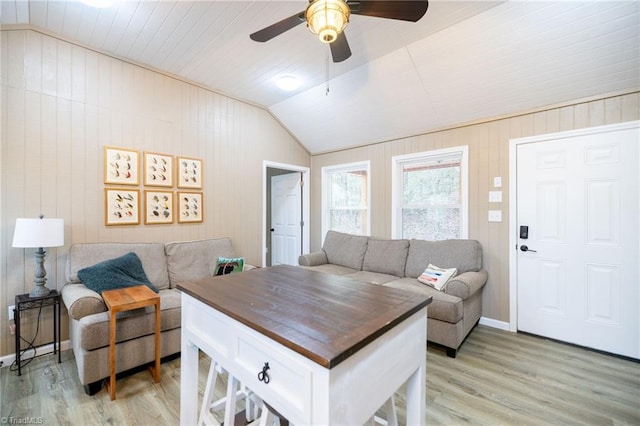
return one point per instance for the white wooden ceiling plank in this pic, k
(143, 13)
(104, 22)
(87, 24)
(214, 33)
(180, 32)
(55, 15)
(38, 13)
(119, 26)
(22, 11)
(8, 13)
(200, 32)
(166, 30)
(71, 19)
(147, 28)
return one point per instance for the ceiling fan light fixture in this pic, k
(327, 18)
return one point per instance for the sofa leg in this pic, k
(451, 353)
(93, 388)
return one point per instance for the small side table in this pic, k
(127, 299)
(25, 302)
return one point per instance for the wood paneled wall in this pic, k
(488, 157)
(62, 103)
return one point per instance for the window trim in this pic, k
(397, 163)
(347, 167)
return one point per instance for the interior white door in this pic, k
(578, 281)
(286, 219)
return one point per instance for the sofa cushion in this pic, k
(386, 256)
(193, 260)
(330, 268)
(444, 307)
(345, 249)
(94, 329)
(372, 277)
(121, 272)
(464, 255)
(151, 255)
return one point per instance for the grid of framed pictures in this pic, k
(160, 173)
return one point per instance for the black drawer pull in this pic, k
(263, 376)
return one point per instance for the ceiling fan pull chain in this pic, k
(326, 93)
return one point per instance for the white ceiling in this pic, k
(464, 61)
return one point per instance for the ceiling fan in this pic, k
(328, 19)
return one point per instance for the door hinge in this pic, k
(301, 183)
(302, 223)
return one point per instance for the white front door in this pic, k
(286, 217)
(578, 269)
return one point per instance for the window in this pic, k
(345, 198)
(430, 195)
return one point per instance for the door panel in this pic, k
(579, 281)
(286, 216)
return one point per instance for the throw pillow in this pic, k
(121, 272)
(436, 277)
(227, 265)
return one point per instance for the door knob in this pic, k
(525, 248)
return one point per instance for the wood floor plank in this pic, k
(498, 378)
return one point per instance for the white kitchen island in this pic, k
(336, 349)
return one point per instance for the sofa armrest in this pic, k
(313, 259)
(81, 301)
(466, 284)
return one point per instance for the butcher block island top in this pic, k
(324, 317)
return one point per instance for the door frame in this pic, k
(513, 198)
(305, 203)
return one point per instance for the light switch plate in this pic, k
(497, 182)
(495, 215)
(495, 196)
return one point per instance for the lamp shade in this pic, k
(38, 233)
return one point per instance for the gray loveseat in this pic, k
(166, 265)
(398, 263)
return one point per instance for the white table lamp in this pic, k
(39, 233)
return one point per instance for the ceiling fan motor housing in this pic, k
(327, 18)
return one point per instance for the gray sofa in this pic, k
(166, 265)
(398, 263)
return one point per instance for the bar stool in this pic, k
(235, 392)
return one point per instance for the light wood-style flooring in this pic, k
(498, 378)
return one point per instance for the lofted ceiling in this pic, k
(463, 61)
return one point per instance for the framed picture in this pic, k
(158, 207)
(122, 206)
(189, 172)
(190, 207)
(120, 166)
(158, 169)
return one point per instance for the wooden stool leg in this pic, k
(390, 413)
(206, 415)
(390, 409)
(232, 396)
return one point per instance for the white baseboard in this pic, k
(494, 323)
(7, 360)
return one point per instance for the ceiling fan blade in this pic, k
(340, 49)
(278, 28)
(404, 10)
